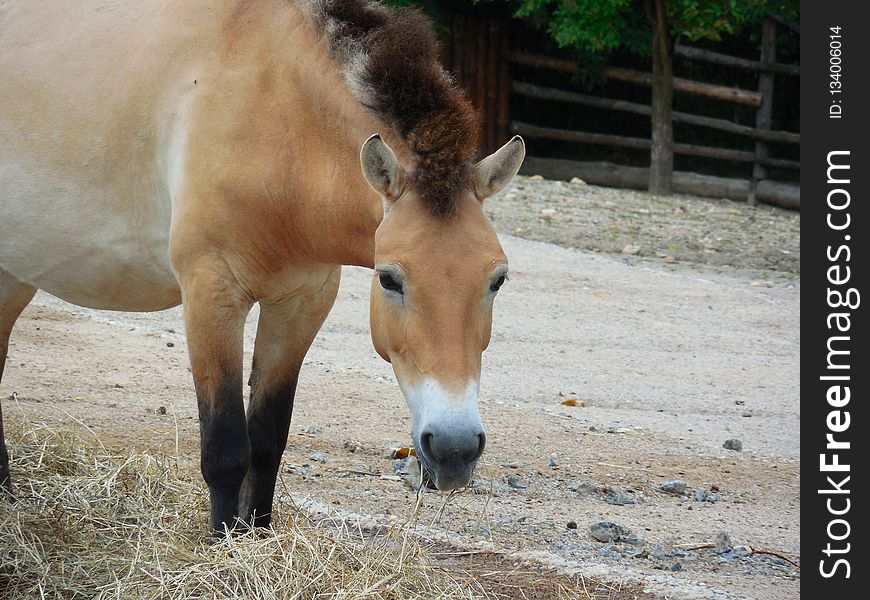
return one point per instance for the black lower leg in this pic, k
(268, 425)
(5, 481)
(225, 456)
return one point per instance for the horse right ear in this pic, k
(381, 168)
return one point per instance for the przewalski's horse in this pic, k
(208, 153)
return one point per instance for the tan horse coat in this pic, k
(208, 152)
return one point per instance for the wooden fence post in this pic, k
(478, 53)
(765, 111)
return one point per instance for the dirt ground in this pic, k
(669, 352)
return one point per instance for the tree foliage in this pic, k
(606, 25)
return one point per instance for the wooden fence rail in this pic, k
(566, 135)
(720, 92)
(546, 93)
(732, 61)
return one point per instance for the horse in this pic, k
(222, 153)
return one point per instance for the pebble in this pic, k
(723, 543)
(673, 486)
(605, 531)
(318, 457)
(170, 345)
(161, 410)
(631, 249)
(634, 547)
(514, 481)
(480, 487)
(412, 473)
(485, 487)
(584, 487)
(552, 463)
(733, 444)
(705, 496)
(571, 525)
(615, 495)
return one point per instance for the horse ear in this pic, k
(495, 171)
(381, 168)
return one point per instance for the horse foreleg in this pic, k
(214, 315)
(284, 334)
(14, 297)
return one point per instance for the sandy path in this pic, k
(671, 360)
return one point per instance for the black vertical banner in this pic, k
(835, 365)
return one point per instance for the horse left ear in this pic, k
(381, 168)
(495, 171)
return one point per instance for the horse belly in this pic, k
(69, 241)
(86, 151)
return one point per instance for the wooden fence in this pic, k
(479, 53)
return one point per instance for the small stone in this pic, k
(536, 178)
(631, 249)
(676, 487)
(676, 567)
(552, 463)
(634, 547)
(170, 344)
(605, 531)
(733, 444)
(515, 482)
(705, 496)
(413, 475)
(571, 525)
(484, 488)
(548, 213)
(742, 550)
(723, 543)
(585, 487)
(318, 457)
(161, 410)
(577, 181)
(615, 495)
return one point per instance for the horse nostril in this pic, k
(481, 444)
(426, 444)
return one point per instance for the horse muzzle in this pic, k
(450, 453)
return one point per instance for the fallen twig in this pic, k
(751, 552)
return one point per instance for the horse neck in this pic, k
(331, 212)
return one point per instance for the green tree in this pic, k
(605, 25)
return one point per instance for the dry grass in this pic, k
(91, 523)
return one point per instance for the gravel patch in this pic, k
(763, 242)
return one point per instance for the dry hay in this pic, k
(91, 523)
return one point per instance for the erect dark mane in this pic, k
(390, 62)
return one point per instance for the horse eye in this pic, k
(498, 283)
(388, 283)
